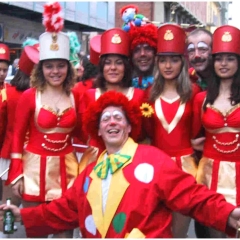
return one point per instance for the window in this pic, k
(82, 7)
(102, 10)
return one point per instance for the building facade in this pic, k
(217, 14)
(162, 12)
(202, 14)
(19, 20)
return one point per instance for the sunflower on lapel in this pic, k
(146, 110)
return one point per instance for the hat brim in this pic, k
(169, 54)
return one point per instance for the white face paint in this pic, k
(191, 46)
(202, 44)
(117, 115)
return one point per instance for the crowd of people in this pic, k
(131, 144)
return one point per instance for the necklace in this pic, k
(56, 103)
(56, 108)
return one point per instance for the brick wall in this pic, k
(145, 8)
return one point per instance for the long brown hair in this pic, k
(38, 81)
(184, 86)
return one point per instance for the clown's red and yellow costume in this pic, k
(219, 168)
(141, 197)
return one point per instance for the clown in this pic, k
(130, 17)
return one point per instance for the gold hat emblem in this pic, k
(227, 37)
(2, 51)
(116, 39)
(54, 46)
(168, 35)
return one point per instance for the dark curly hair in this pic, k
(90, 70)
(38, 81)
(127, 78)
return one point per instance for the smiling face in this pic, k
(143, 58)
(225, 65)
(114, 128)
(113, 70)
(170, 66)
(199, 51)
(55, 72)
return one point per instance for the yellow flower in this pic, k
(147, 110)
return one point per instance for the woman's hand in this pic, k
(17, 188)
(198, 143)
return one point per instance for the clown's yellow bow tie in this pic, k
(113, 162)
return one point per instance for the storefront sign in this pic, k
(13, 35)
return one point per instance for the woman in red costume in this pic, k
(9, 100)
(219, 113)
(169, 112)
(114, 73)
(4, 63)
(45, 167)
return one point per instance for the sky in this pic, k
(234, 13)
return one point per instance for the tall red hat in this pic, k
(171, 39)
(128, 6)
(95, 48)
(112, 41)
(28, 58)
(112, 98)
(4, 52)
(226, 39)
(115, 41)
(143, 34)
